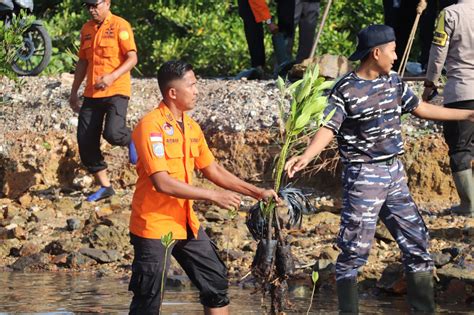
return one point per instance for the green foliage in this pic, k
(11, 39)
(346, 18)
(207, 33)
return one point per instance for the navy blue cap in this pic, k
(91, 1)
(370, 37)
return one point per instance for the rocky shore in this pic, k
(45, 223)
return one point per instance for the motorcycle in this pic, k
(35, 53)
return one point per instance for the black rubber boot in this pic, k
(465, 187)
(348, 296)
(420, 293)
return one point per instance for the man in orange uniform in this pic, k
(255, 14)
(170, 145)
(106, 56)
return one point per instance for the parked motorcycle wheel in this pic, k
(35, 54)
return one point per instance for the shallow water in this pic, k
(66, 293)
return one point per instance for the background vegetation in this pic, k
(207, 33)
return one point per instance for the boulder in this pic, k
(392, 279)
(77, 260)
(38, 261)
(109, 237)
(330, 66)
(100, 255)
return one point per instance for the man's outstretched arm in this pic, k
(225, 179)
(433, 112)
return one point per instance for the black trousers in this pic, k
(254, 32)
(101, 116)
(198, 258)
(459, 136)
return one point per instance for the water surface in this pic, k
(69, 293)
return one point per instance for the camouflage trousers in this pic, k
(379, 190)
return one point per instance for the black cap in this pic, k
(91, 1)
(370, 37)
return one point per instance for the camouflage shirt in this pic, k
(367, 116)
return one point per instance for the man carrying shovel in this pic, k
(367, 105)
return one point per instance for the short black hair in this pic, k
(382, 46)
(170, 71)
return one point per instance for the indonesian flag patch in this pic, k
(156, 137)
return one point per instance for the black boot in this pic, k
(420, 291)
(348, 296)
(465, 186)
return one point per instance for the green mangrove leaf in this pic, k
(167, 239)
(304, 91)
(315, 276)
(325, 85)
(302, 120)
(281, 85)
(294, 85)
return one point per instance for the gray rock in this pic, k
(447, 273)
(110, 237)
(213, 216)
(178, 281)
(453, 251)
(37, 261)
(44, 215)
(54, 248)
(77, 260)
(324, 265)
(73, 224)
(441, 259)
(101, 256)
(7, 245)
(391, 278)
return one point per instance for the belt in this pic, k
(389, 161)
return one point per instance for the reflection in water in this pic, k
(66, 293)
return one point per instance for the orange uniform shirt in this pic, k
(105, 48)
(163, 146)
(260, 10)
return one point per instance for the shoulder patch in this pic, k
(440, 37)
(158, 149)
(123, 35)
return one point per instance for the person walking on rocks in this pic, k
(367, 105)
(106, 55)
(453, 46)
(170, 145)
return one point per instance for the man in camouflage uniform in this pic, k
(453, 46)
(367, 105)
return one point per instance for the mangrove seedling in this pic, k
(232, 213)
(314, 277)
(306, 113)
(166, 241)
